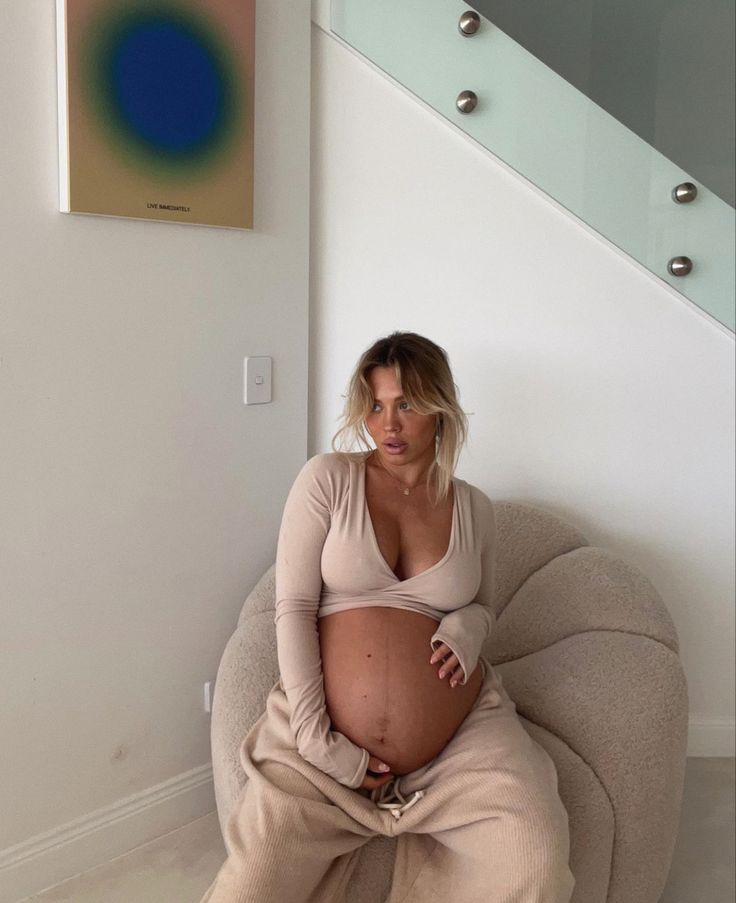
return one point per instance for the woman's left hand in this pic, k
(449, 666)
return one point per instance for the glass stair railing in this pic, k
(666, 69)
(540, 125)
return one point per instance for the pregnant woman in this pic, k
(387, 719)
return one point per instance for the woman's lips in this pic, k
(395, 449)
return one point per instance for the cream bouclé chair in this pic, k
(588, 652)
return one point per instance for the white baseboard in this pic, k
(47, 859)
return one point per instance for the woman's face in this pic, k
(401, 434)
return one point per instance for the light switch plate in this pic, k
(257, 377)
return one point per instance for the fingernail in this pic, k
(383, 767)
(442, 673)
(453, 683)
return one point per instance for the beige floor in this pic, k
(179, 867)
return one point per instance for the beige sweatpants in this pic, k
(480, 823)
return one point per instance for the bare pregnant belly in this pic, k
(382, 692)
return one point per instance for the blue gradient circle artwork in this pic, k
(157, 109)
(166, 86)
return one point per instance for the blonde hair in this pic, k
(423, 371)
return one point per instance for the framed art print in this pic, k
(156, 109)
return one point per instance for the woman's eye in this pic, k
(403, 405)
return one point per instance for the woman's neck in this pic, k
(410, 475)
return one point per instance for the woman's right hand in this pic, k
(369, 781)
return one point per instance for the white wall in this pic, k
(597, 392)
(139, 498)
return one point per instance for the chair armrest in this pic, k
(620, 702)
(588, 651)
(588, 588)
(262, 597)
(248, 671)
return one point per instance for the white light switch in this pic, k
(257, 380)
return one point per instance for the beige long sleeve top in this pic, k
(328, 560)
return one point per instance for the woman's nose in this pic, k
(390, 419)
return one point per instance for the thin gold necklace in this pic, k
(404, 488)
